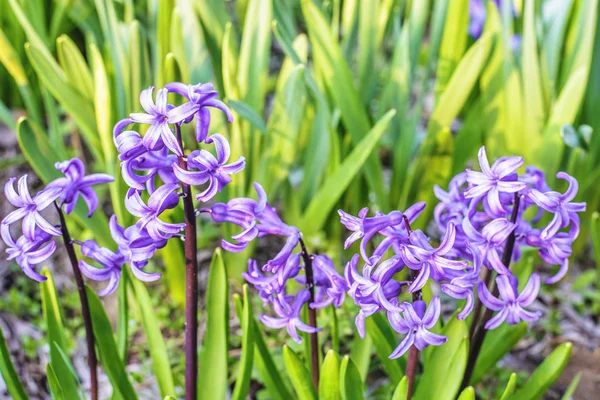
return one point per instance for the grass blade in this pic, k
(242, 383)
(212, 377)
(9, 373)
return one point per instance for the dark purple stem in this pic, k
(191, 285)
(480, 332)
(413, 353)
(85, 307)
(312, 315)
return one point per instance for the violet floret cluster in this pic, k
(502, 213)
(488, 218)
(257, 218)
(155, 167)
(36, 245)
(376, 288)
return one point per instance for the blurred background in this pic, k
(311, 84)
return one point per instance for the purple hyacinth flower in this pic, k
(396, 236)
(129, 143)
(477, 16)
(491, 181)
(511, 305)
(490, 241)
(415, 325)
(153, 164)
(366, 301)
(462, 285)
(373, 284)
(213, 170)
(29, 208)
(158, 117)
(555, 250)
(331, 286)
(241, 212)
(273, 285)
(289, 316)
(137, 246)
(453, 205)
(421, 256)
(112, 263)
(162, 199)
(559, 204)
(75, 183)
(365, 228)
(201, 96)
(27, 253)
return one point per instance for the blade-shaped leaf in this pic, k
(107, 349)
(467, 394)
(331, 65)
(242, 383)
(401, 391)
(56, 336)
(546, 374)
(385, 341)
(510, 387)
(9, 373)
(156, 342)
(212, 377)
(350, 381)
(449, 360)
(299, 375)
(335, 185)
(329, 381)
(56, 390)
(496, 344)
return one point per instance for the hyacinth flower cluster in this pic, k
(150, 167)
(375, 288)
(487, 218)
(36, 243)
(502, 213)
(324, 286)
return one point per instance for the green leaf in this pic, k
(75, 68)
(34, 145)
(271, 376)
(253, 65)
(360, 352)
(510, 387)
(55, 389)
(532, 81)
(385, 341)
(495, 345)
(329, 381)
(79, 108)
(107, 349)
(301, 379)
(156, 342)
(434, 158)
(245, 111)
(350, 381)
(449, 361)
(572, 387)
(242, 383)
(467, 394)
(401, 392)
(56, 336)
(212, 377)
(9, 374)
(454, 43)
(284, 126)
(332, 67)
(332, 189)
(546, 374)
